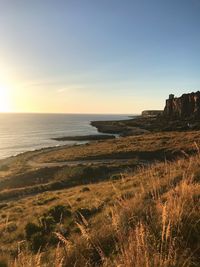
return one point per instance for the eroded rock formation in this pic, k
(184, 107)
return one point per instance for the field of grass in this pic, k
(149, 146)
(107, 214)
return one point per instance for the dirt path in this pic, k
(35, 164)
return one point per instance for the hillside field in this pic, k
(132, 201)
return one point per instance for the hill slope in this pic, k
(149, 217)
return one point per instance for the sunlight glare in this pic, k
(4, 100)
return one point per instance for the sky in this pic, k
(97, 56)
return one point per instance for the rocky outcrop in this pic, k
(94, 137)
(152, 113)
(185, 107)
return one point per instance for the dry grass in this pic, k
(157, 225)
(146, 146)
(153, 145)
(148, 218)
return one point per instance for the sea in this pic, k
(27, 132)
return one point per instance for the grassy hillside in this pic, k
(104, 215)
(149, 146)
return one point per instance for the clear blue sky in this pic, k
(98, 56)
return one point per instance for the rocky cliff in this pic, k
(185, 107)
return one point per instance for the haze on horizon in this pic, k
(87, 56)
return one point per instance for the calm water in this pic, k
(24, 132)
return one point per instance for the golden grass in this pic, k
(157, 225)
(147, 218)
(151, 146)
(126, 147)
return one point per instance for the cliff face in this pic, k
(186, 106)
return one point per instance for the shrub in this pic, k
(31, 229)
(38, 241)
(47, 223)
(85, 189)
(86, 213)
(59, 212)
(3, 263)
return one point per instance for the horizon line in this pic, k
(69, 113)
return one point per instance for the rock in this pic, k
(152, 113)
(130, 131)
(185, 107)
(85, 137)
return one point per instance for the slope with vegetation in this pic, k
(108, 214)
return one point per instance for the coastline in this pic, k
(91, 177)
(22, 157)
(43, 149)
(38, 131)
(110, 129)
(123, 153)
(137, 129)
(92, 137)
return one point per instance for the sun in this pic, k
(4, 100)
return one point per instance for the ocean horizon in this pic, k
(22, 132)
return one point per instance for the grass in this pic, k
(142, 217)
(50, 179)
(148, 146)
(156, 225)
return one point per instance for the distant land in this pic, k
(152, 112)
(179, 114)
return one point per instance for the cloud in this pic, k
(71, 87)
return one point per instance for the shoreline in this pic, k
(40, 150)
(92, 137)
(135, 125)
(53, 147)
(79, 140)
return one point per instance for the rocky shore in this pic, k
(143, 125)
(179, 114)
(95, 137)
